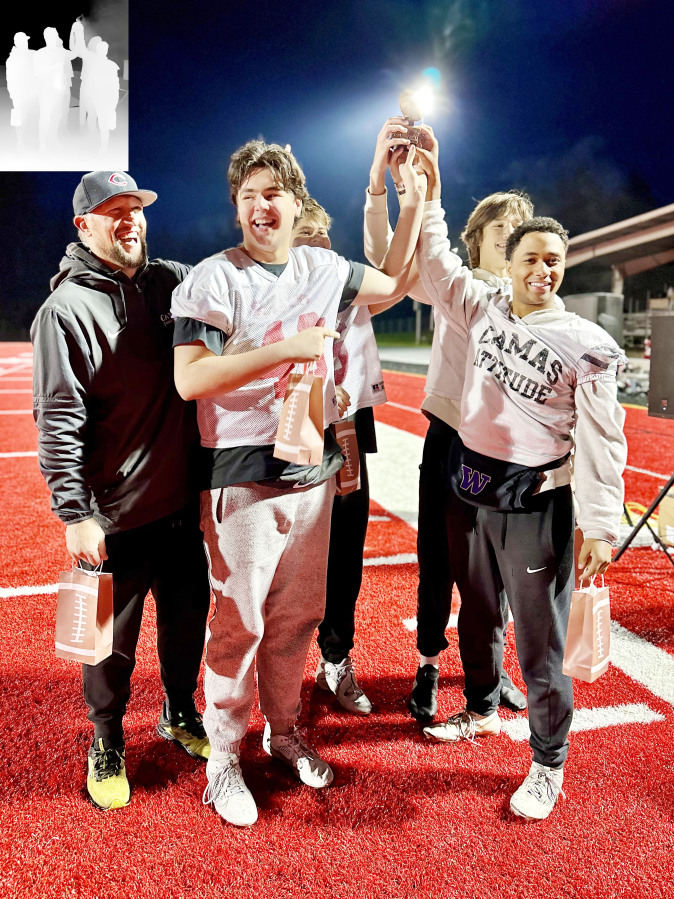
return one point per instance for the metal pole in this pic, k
(644, 518)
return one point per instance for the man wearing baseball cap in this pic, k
(117, 448)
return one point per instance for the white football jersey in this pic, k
(357, 365)
(254, 308)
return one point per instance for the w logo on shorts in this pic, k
(473, 480)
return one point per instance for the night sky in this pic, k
(571, 101)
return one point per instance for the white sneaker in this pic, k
(228, 793)
(295, 752)
(464, 726)
(321, 682)
(536, 797)
(339, 678)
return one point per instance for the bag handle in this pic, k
(93, 571)
(590, 582)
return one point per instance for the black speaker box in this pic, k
(661, 387)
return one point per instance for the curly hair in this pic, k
(256, 155)
(495, 206)
(539, 223)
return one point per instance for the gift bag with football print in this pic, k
(299, 437)
(84, 616)
(348, 476)
(588, 639)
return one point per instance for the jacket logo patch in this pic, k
(474, 480)
(166, 318)
(116, 178)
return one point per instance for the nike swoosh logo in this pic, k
(534, 570)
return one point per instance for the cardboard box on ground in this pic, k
(666, 518)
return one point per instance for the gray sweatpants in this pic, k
(268, 552)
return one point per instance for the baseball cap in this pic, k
(97, 187)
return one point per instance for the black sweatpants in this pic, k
(167, 557)
(345, 569)
(531, 555)
(434, 595)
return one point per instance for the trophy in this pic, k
(411, 110)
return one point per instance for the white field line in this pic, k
(410, 624)
(393, 472)
(647, 664)
(13, 592)
(653, 474)
(17, 390)
(16, 411)
(17, 364)
(404, 408)
(637, 658)
(4, 377)
(18, 454)
(591, 719)
(401, 559)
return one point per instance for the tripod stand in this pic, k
(644, 521)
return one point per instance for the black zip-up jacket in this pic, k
(116, 440)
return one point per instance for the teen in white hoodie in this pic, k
(487, 229)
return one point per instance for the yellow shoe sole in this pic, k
(198, 749)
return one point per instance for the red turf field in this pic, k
(404, 818)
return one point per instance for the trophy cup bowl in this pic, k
(412, 112)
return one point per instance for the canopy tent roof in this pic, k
(634, 245)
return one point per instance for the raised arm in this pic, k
(382, 153)
(398, 275)
(377, 232)
(448, 283)
(403, 245)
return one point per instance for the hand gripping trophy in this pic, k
(410, 107)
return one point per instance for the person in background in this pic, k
(485, 235)
(358, 372)
(21, 87)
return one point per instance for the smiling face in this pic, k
(493, 243)
(311, 233)
(267, 214)
(537, 269)
(115, 232)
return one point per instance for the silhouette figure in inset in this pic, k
(21, 87)
(53, 73)
(79, 46)
(102, 84)
(87, 107)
